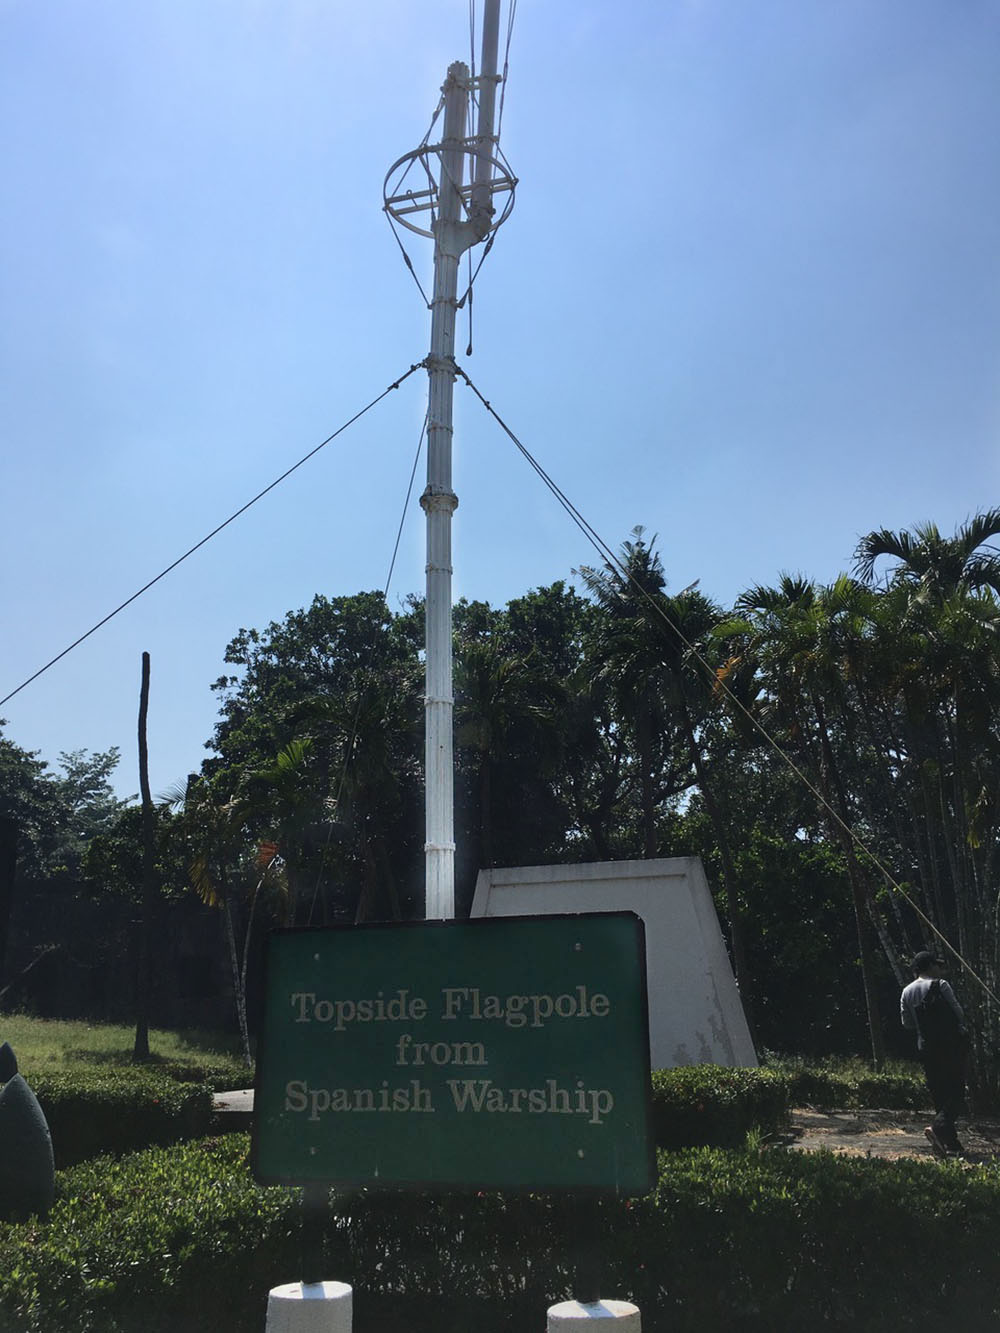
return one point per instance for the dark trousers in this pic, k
(944, 1070)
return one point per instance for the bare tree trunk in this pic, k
(486, 811)
(863, 911)
(144, 961)
(239, 992)
(391, 888)
(644, 745)
(8, 868)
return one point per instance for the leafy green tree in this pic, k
(47, 820)
(939, 716)
(27, 808)
(343, 674)
(631, 659)
(934, 567)
(112, 859)
(603, 726)
(797, 646)
(653, 650)
(232, 870)
(581, 799)
(86, 804)
(799, 923)
(28, 803)
(507, 733)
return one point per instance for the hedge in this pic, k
(167, 1238)
(122, 1109)
(851, 1085)
(119, 1110)
(711, 1105)
(733, 1239)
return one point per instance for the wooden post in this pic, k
(143, 980)
(587, 1234)
(575, 1316)
(8, 870)
(315, 1211)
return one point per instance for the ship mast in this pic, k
(465, 174)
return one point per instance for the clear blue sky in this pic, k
(749, 297)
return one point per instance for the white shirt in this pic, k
(912, 996)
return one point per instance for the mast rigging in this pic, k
(459, 198)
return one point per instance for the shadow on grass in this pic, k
(117, 1056)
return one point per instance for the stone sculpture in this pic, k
(27, 1166)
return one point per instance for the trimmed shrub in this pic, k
(754, 1241)
(219, 1077)
(108, 1110)
(711, 1105)
(121, 1109)
(851, 1085)
(111, 1109)
(797, 1241)
(166, 1238)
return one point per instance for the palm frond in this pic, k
(203, 883)
(899, 545)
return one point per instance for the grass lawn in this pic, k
(44, 1045)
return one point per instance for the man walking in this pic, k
(928, 1007)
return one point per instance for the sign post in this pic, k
(509, 1054)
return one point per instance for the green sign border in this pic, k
(511, 956)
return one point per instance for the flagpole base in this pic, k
(310, 1307)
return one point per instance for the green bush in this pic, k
(182, 1238)
(108, 1110)
(851, 1085)
(166, 1238)
(797, 1241)
(710, 1105)
(219, 1077)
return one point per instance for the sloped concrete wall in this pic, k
(695, 1012)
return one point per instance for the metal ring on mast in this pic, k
(407, 202)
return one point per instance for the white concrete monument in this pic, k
(695, 1012)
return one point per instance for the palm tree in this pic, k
(226, 864)
(626, 658)
(505, 706)
(686, 635)
(653, 651)
(934, 566)
(367, 779)
(945, 594)
(798, 645)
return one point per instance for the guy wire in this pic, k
(215, 531)
(611, 557)
(366, 674)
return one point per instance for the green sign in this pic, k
(505, 1053)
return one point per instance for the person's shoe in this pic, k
(938, 1147)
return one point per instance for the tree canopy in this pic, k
(831, 751)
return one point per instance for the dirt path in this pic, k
(883, 1134)
(859, 1133)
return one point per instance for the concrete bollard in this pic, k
(575, 1317)
(310, 1307)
